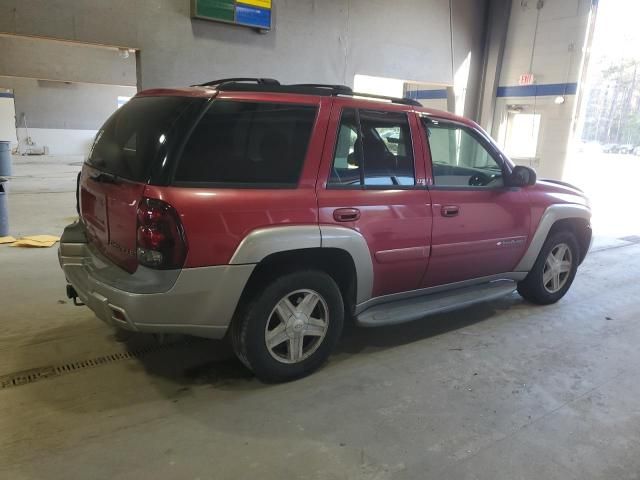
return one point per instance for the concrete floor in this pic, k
(504, 390)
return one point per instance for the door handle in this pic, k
(449, 210)
(346, 214)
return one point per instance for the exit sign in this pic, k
(526, 79)
(249, 13)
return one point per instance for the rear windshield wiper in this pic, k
(103, 177)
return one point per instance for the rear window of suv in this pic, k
(247, 144)
(130, 141)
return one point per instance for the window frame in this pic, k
(363, 186)
(241, 185)
(477, 135)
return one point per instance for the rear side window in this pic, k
(373, 150)
(248, 143)
(128, 143)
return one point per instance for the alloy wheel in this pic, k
(297, 326)
(557, 268)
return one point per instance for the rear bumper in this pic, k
(193, 301)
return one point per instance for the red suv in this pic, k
(273, 212)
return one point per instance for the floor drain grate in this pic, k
(631, 238)
(25, 377)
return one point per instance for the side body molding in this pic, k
(263, 242)
(551, 215)
(353, 243)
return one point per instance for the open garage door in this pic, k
(604, 157)
(63, 91)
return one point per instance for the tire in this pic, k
(306, 340)
(534, 288)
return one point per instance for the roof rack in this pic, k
(223, 81)
(402, 101)
(348, 92)
(335, 89)
(271, 85)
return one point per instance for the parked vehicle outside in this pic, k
(610, 148)
(589, 148)
(271, 214)
(626, 149)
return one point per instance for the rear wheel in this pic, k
(289, 329)
(554, 270)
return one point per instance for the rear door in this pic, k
(480, 226)
(372, 180)
(136, 139)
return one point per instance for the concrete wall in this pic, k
(62, 116)
(66, 61)
(467, 35)
(65, 91)
(437, 97)
(312, 40)
(60, 105)
(54, 141)
(427, 41)
(469, 23)
(498, 13)
(549, 43)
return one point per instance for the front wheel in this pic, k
(554, 270)
(290, 328)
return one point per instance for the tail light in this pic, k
(161, 242)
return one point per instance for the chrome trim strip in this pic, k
(361, 307)
(551, 215)
(478, 246)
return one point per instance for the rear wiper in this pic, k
(103, 177)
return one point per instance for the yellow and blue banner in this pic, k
(249, 13)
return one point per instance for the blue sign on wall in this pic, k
(253, 17)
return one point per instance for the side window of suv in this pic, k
(459, 159)
(346, 162)
(248, 144)
(373, 149)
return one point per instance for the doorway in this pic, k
(604, 157)
(522, 133)
(61, 91)
(7, 116)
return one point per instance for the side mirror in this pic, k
(522, 177)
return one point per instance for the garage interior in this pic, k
(500, 390)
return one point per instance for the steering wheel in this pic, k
(479, 180)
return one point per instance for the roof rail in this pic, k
(222, 81)
(348, 92)
(402, 101)
(270, 84)
(335, 89)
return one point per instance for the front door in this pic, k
(372, 180)
(480, 226)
